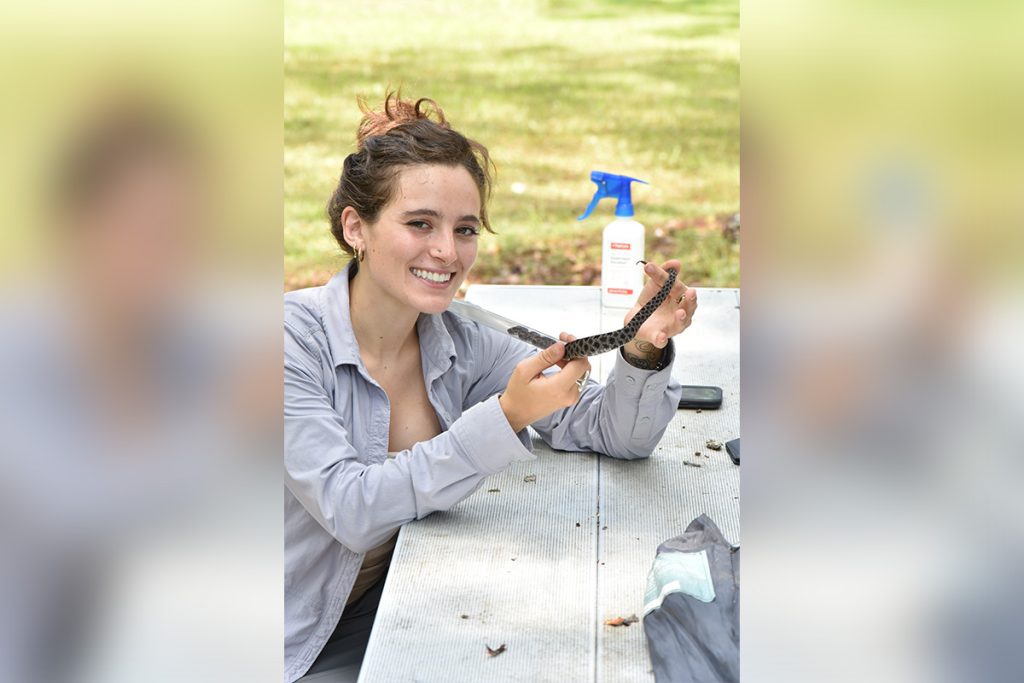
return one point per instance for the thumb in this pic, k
(545, 359)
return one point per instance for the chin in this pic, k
(434, 304)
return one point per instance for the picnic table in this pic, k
(548, 550)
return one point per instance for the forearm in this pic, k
(623, 419)
(361, 505)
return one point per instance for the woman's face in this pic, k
(425, 239)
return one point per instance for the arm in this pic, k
(625, 418)
(630, 416)
(361, 505)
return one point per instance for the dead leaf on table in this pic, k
(621, 621)
(493, 490)
(495, 652)
(530, 477)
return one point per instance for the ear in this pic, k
(353, 228)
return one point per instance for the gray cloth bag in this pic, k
(691, 607)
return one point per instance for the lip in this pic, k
(433, 285)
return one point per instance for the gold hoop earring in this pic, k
(361, 254)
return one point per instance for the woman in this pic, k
(395, 408)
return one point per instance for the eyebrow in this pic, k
(435, 214)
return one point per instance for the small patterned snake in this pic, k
(599, 343)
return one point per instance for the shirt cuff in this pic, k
(487, 439)
(668, 357)
(635, 382)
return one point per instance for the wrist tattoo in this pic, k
(640, 362)
(647, 348)
(650, 358)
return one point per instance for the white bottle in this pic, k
(622, 243)
(622, 276)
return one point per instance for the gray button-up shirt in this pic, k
(344, 496)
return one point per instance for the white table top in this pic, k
(540, 565)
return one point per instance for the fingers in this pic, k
(687, 298)
(659, 274)
(566, 337)
(565, 380)
(661, 327)
(656, 273)
(533, 366)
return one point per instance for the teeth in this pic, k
(433, 277)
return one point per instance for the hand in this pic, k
(672, 317)
(531, 395)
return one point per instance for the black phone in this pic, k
(733, 449)
(705, 398)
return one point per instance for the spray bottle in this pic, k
(622, 243)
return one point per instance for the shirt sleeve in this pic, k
(624, 418)
(361, 505)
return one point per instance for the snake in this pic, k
(606, 341)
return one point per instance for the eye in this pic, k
(419, 225)
(468, 230)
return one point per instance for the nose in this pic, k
(442, 248)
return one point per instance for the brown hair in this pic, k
(403, 134)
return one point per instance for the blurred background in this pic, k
(140, 381)
(882, 320)
(554, 89)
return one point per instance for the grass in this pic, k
(554, 90)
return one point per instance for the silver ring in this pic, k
(582, 380)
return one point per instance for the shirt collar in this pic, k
(437, 348)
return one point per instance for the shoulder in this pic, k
(480, 342)
(302, 310)
(304, 330)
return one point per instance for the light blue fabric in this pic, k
(343, 495)
(678, 572)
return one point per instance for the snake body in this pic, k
(607, 341)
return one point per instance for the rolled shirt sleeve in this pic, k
(625, 418)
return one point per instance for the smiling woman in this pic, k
(424, 241)
(396, 408)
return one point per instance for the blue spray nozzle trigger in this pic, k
(612, 185)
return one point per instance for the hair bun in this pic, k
(396, 112)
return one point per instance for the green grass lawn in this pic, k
(554, 90)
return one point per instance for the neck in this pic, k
(382, 326)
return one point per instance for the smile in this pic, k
(431, 276)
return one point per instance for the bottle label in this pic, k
(621, 245)
(619, 290)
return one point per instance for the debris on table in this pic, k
(714, 445)
(493, 490)
(530, 477)
(463, 616)
(692, 464)
(495, 651)
(577, 523)
(621, 621)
